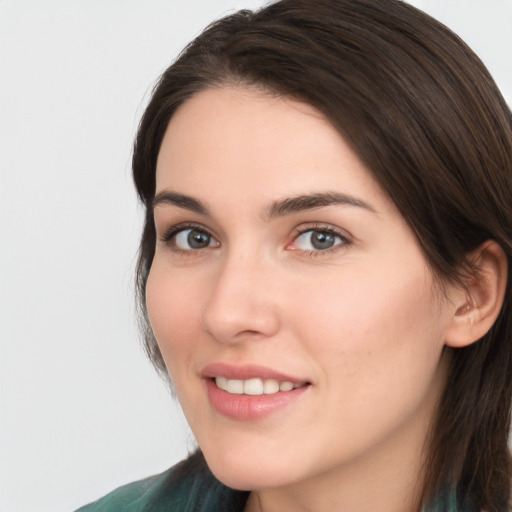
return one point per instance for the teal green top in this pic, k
(187, 487)
(191, 487)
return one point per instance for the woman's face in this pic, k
(281, 264)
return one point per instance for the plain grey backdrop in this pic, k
(81, 410)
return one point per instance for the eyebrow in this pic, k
(181, 201)
(280, 208)
(311, 201)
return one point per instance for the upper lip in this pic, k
(247, 371)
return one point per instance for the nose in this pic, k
(243, 303)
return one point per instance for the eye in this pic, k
(190, 239)
(317, 240)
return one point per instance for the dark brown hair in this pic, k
(423, 113)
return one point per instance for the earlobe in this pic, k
(477, 306)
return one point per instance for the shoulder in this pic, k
(187, 487)
(136, 495)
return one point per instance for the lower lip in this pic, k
(249, 407)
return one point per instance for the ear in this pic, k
(477, 306)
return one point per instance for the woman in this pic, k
(323, 270)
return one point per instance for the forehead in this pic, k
(243, 141)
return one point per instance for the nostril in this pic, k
(249, 332)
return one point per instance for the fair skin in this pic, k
(332, 291)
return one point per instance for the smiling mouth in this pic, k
(256, 386)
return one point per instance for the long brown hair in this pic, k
(423, 113)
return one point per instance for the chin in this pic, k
(248, 473)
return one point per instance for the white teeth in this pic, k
(286, 386)
(255, 386)
(222, 383)
(270, 387)
(235, 387)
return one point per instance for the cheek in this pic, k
(376, 344)
(174, 312)
(370, 324)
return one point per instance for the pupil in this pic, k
(322, 240)
(198, 239)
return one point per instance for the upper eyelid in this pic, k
(174, 229)
(343, 233)
(330, 229)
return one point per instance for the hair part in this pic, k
(424, 115)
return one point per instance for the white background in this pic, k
(81, 410)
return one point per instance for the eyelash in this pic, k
(322, 228)
(169, 238)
